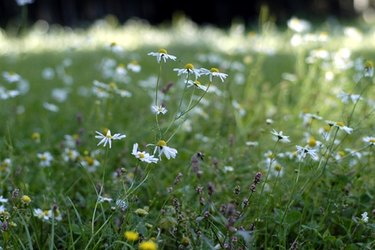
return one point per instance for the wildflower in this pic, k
(214, 72)
(142, 155)
(345, 97)
(370, 140)
(3, 200)
(134, 66)
(162, 54)
(41, 214)
(45, 159)
(303, 151)
(108, 138)
(342, 126)
(278, 136)
(298, 25)
(25, 199)
(364, 216)
(123, 205)
(11, 77)
(131, 236)
(102, 199)
(158, 109)
(36, 137)
(369, 69)
(162, 147)
(148, 245)
(70, 155)
(90, 163)
(51, 107)
(55, 213)
(187, 70)
(197, 84)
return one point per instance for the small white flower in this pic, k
(162, 55)
(278, 136)
(102, 199)
(303, 151)
(252, 143)
(11, 77)
(2, 209)
(369, 69)
(41, 214)
(50, 107)
(3, 200)
(214, 72)
(364, 216)
(197, 84)
(342, 126)
(45, 159)
(370, 140)
(54, 213)
(162, 148)
(142, 155)
(134, 66)
(158, 109)
(228, 169)
(298, 25)
(104, 139)
(70, 155)
(188, 70)
(345, 97)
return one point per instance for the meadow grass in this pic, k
(237, 181)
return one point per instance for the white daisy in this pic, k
(278, 136)
(214, 72)
(162, 148)
(370, 140)
(364, 216)
(342, 126)
(3, 200)
(197, 84)
(41, 214)
(345, 97)
(162, 55)
(104, 139)
(134, 66)
(11, 77)
(45, 159)
(158, 109)
(188, 70)
(302, 152)
(142, 155)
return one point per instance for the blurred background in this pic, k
(80, 13)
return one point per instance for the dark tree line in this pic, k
(219, 12)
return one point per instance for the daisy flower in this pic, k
(302, 152)
(369, 69)
(11, 77)
(134, 66)
(197, 84)
(342, 126)
(3, 200)
(142, 155)
(102, 199)
(158, 109)
(370, 140)
(41, 214)
(104, 139)
(345, 97)
(162, 148)
(278, 136)
(187, 70)
(162, 55)
(45, 159)
(214, 72)
(364, 216)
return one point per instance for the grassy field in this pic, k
(267, 142)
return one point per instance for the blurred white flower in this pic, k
(142, 155)
(45, 159)
(162, 148)
(162, 55)
(364, 217)
(104, 139)
(298, 25)
(51, 107)
(278, 136)
(158, 109)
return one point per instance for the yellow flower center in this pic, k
(141, 155)
(327, 128)
(35, 136)
(372, 140)
(89, 160)
(342, 153)
(163, 51)
(340, 124)
(113, 44)
(189, 66)
(113, 85)
(369, 64)
(312, 142)
(161, 143)
(214, 70)
(278, 168)
(43, 157)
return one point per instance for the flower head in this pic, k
(162, 148)
(214, 72)
(148, 245)
(142, 155)
(158, 109)
(370, 140)
(189, 69)
(25, 199)
(104, 139)
(302, 152)
(364, 216)
(131, 236)
(197, 84)
(369, 69)
(45, 159)
(278, 136)
(162, 54)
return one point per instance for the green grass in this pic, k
(309, 204)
